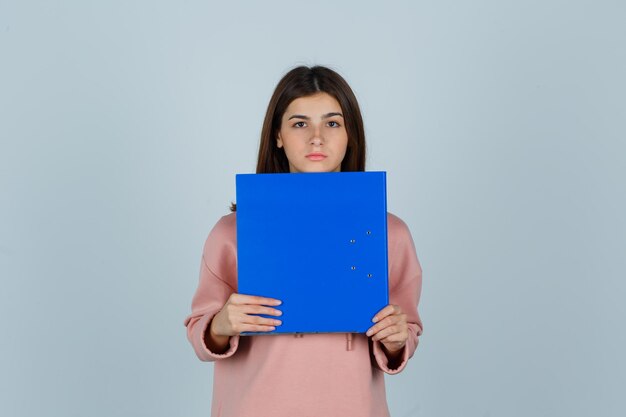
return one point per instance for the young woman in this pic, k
(313, 124)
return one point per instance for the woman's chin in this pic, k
(315, 167)
(311, 169)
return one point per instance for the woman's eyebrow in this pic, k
(327, 115)
(299, 116)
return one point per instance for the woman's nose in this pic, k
(316, 139)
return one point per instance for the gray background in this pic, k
(501, 126)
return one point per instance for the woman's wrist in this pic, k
(215, 343)
(394, 357)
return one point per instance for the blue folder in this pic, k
(318, 243)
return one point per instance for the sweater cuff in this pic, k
(383, 361)
(233, 341)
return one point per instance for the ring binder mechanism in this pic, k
(309, 240)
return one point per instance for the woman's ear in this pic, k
(279, 141)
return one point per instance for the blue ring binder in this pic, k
(318, 243)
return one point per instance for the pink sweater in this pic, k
(307, 375)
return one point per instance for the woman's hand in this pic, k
(239, 315)
(390, 329)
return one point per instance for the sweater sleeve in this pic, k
(217, 282)
(405, 285)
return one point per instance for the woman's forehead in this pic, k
(322, 102)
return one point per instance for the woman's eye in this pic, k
(299, 124)
(332, 123)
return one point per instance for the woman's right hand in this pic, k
(239, 315)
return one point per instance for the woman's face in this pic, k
(313, 134)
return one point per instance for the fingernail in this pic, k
(368, 333)
(272, 328)
(375, 319)
(279, 313)
(278, 302)
(278, 322)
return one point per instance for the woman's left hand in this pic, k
(390, 329)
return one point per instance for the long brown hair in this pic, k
(302, 82)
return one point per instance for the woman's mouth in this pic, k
(316, 156)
